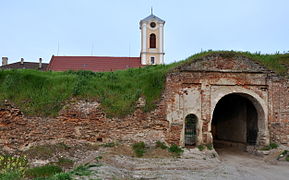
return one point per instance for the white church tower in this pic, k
(152, 40)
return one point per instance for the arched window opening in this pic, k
(191, 130)
(153, 41)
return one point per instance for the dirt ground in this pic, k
(230, 164)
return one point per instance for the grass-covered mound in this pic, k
(44, 93)
(278, 63)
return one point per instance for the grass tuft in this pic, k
(210, 146)
(176, 150)
(201, 147)
(139, 149)
(161, 145)
(43, 171)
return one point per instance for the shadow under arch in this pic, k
(237, 118)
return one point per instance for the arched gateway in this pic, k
(232, 98)
(236, 119)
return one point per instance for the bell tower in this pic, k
(152, 40)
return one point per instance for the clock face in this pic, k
(153, 24)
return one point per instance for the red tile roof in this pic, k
(93, 63)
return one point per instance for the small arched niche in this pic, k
(191, 121)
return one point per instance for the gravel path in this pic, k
(193, 165)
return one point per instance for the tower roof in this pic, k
(151, 18)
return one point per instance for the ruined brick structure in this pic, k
(231, 97)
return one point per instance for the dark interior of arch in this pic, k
(235, 119)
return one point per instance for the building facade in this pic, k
(152, 40)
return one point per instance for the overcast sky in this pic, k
(34, 28)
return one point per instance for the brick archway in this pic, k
(246, 106)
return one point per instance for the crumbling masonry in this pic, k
(218, 97)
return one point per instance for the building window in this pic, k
(152, 60)
(152, 41)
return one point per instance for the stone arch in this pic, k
(261, 111)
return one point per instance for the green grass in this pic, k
(201, 147)
(45, 93)
(84, 170)
(277, 62)
(175, 150)
(273, 145)
(43, 171)
(139, 149)
(11, 175)
(210, 146)
(269, 147)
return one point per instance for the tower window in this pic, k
(152, 60)
(153, 24)
(152, 41)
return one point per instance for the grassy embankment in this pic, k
(44, 93)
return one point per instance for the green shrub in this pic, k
(139, 149)
(10, 175)
(273, 145)
(176, 150)
(12, 164)
(43, 171)
(209, 146)
(201, 147)
(269, 147)
(287, 158)
(161, 145)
